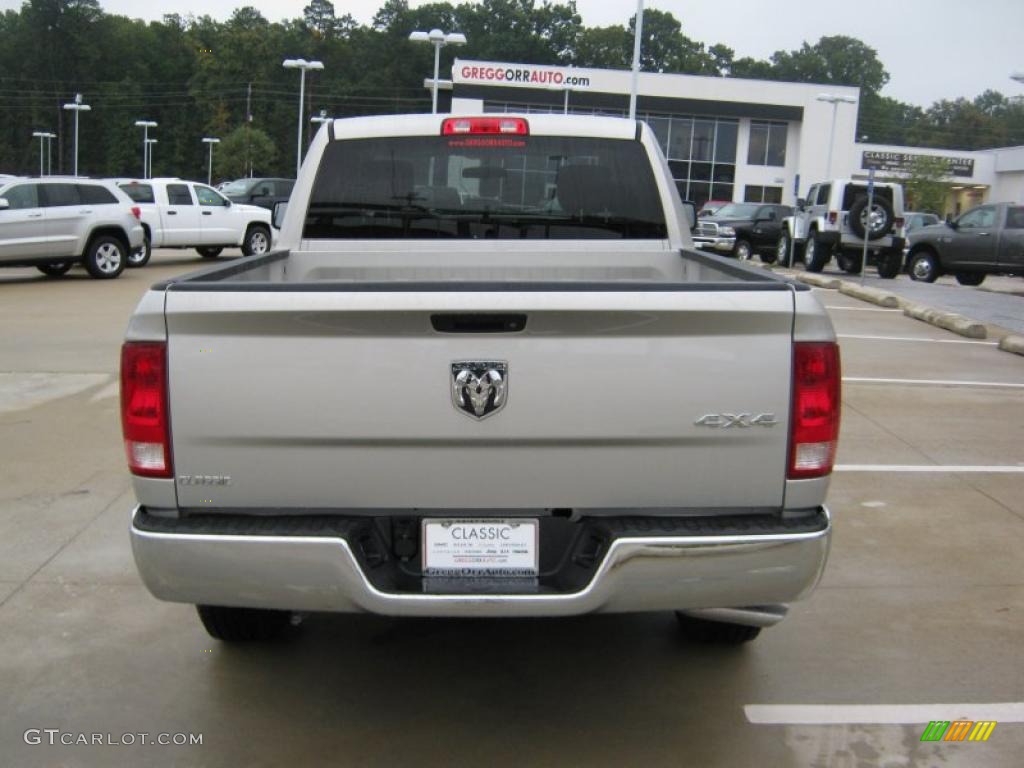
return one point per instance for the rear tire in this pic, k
(209, 252)
(850, 263)
(105, 257)
(816, 255)
(140, 257)
(970, 278)
(924, 267)
(889, 265)
(243, 625)
(718, 632)
(54, 269)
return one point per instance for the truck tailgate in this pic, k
(294, 400)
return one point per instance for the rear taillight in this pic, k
(474, 126)
(145, 420)
(137, 212)
(833, 217)
(814, 421)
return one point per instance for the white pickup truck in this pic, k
(184, 214)
(485, 375)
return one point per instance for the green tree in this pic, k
(229, 160)
(925, 185)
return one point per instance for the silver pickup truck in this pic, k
(485, 375)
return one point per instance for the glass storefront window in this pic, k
(767, 144)
(758, 194)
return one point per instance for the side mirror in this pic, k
(277, 219)
(690, 213)
(952, 223)
(4, 205)
(801, 203)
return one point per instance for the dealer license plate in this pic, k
(480, 547)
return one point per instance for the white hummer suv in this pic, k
(835, 219)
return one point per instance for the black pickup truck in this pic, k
(262, 192)
(743, 229)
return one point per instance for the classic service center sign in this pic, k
(902, 161)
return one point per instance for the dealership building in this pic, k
(735, 139)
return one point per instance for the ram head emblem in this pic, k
(479, 388)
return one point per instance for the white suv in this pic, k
(834, 219)
(185, 214)
(53, 222)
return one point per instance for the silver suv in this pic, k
(52, 223)
(835, 219)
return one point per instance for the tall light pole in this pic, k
(41, 135)
(77, 106)
(302, 65)
(439, 40)
(637, 37)
(210, 141)
(834, 99)
(145, 125)
(149, 170)
(49, 156)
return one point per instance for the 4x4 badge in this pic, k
(479, 387)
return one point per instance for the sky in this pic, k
(932, 49)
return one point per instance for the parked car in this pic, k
(834, 219)
(52, 223)
(185, 214)
(743, 229)
(986, 240)
(502, 407)
(262, 192)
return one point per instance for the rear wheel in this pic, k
(140, 256)
(209, 252)
(850, 262)
(816, 254)
(54, 269)
(924, 267)
(889, 265)
(970, 278)
(105, 257)
(243, 625)
(720, 632)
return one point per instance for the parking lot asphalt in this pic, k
(919, 616)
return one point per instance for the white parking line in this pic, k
(915, 338)
(951, 468)
(864, 309)
(880, 714)
(932, 382)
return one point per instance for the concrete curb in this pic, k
(818, 281)
(872, 295)
(1014, 344)
(949, 321)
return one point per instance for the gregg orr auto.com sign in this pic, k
(517, 74)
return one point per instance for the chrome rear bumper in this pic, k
(637, 573)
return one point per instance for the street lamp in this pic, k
(439, 40)
(49, 156)
(42, 136)
(148, 172)
(210, 141)
(834, 99)
(302, 65)
(145, 125)
(77, 106)
(635, 76)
